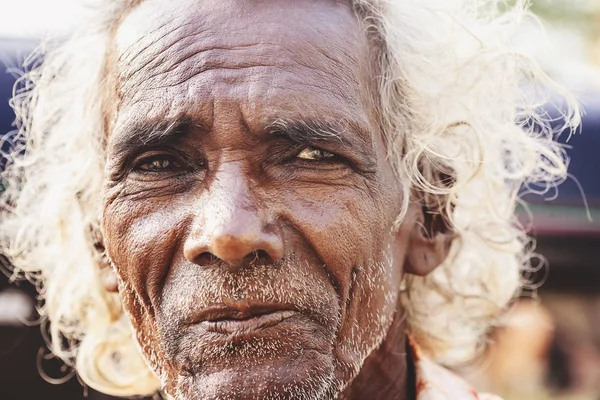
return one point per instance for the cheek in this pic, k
(348, 228)
(141, 239)
(351, 230)
(338, 223)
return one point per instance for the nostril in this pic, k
(206, 258)
(256, 258)
(259, 257)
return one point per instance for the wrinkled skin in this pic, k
(249, 206)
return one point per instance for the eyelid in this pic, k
(147, 155)
(142, 158)
(329, 156)
(140, 166)
(356, 162)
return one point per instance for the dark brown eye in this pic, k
(314, 154)
(158, 164)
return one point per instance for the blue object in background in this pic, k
(12, 54)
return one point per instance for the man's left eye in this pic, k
(311, 153)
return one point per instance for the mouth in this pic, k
(233, 320)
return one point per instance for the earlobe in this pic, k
(108, 279)
(107, 275)
(428, 246)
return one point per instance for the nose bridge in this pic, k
(229, 200)
(232, 224)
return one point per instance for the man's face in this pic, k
(249, 206)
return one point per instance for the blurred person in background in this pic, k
(278, 199)
(544, 352)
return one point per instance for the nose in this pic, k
(231, 227)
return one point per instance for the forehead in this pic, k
(269, 58)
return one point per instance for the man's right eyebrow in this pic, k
(148, 135)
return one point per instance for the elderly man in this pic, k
(284, 199)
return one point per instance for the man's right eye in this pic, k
(158, 163)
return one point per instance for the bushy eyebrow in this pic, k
(148, 134)
(345, 134)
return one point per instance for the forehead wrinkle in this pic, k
(295, 65)
(174, 68)
(228, 39)
(127, 56)
(162, 54)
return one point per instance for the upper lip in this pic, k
(241, 311)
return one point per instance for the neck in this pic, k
(387, 373)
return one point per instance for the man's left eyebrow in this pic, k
(343, 133)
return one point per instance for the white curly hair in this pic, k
(465, 128)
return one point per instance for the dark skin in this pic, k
(249, 206)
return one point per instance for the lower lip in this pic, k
(234, 326)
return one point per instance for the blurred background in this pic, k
(549, 346)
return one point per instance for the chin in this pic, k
(293, 359)
(300, 376)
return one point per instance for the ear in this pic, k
(429, 242)
(108, 279)
(107, 275)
